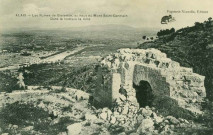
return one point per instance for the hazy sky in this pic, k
(141, 13)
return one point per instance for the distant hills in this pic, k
(92, 32)
(107, 27)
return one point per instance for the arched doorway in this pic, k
(144, 93)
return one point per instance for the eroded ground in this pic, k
(57, 110)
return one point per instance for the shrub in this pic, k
(165, 32)
(24, 115)
(144, 37)
(8, 81)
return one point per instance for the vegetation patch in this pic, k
(191, 47)
(84, 78)
(8, 81)
(25, 115)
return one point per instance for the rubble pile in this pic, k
(142, 121)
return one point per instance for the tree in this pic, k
(209, 22)
(144, 37)
(198, 25)
(165, 32)
(172, 30)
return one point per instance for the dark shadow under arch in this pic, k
(144, 93)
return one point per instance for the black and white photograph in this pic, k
(106, 67)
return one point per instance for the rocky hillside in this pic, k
(66, 111)
(191, 47)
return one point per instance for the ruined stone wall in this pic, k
(166, 78)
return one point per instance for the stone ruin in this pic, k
(134, 78)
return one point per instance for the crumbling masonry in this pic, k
(143, 77)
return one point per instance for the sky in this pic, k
(140, 13)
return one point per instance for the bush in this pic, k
(21, 114)
(165, 32)
(8, 81)
(144, 37)
(24, 115)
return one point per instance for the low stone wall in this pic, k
(166, 78)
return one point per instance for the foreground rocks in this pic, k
(123, 118)
(74, 129)
(62, 105)
(143, 121)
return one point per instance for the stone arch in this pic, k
(154, 77)
(144, 93)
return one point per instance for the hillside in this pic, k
(191, 47)
(64, 92)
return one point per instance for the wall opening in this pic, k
(144, 94)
